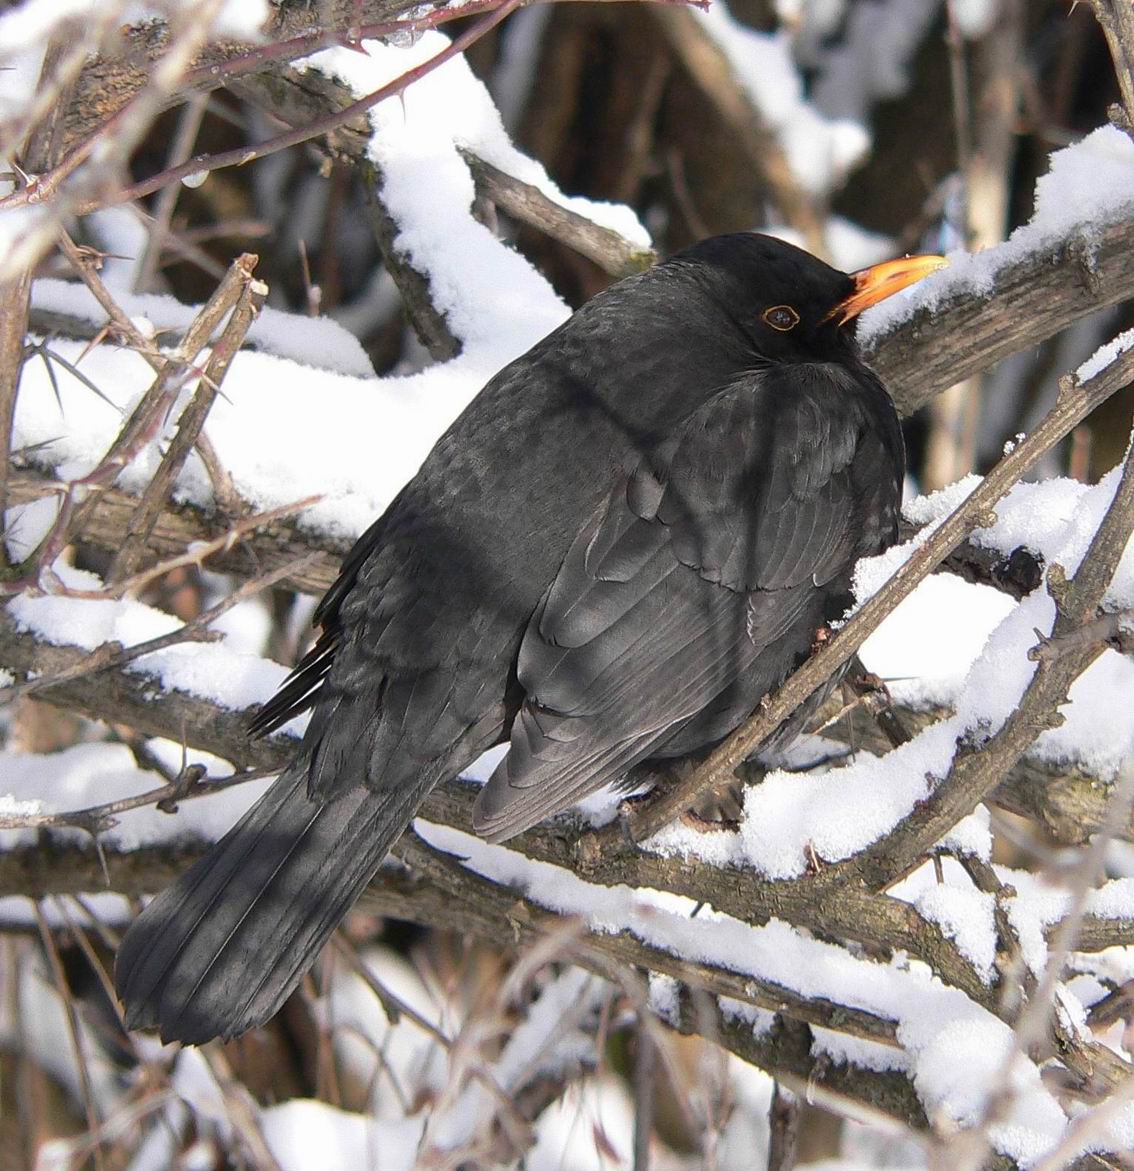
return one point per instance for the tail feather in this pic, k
(219, 951)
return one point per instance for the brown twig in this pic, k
(1116, 1005)
(106, 150)
(1115, 630)
(241, 1108)
(113, 655)
(248, 304)
(71, 1017)
(645, 1087)
(15, 289)
(783, 1128)
(612, 252)
(1033, 297)
(84, 263)
(1035, 1020)
(14, 294)
(98, 819)
(188, 126)
(1116, 19)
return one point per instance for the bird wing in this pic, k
(706, 566)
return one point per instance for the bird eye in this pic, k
(781, 317)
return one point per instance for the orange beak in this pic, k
(880, 281)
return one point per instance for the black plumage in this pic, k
(630, 536)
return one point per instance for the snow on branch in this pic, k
(858, 908)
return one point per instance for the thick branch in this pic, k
(875, 921)
(452, 899)
(1034, 297)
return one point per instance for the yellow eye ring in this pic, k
(781, 317)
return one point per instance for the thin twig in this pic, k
(1116, 17)
(783, 1128)
(393, 1005)
(243, 1113)
(57, 74)
(84, 263)
(112, 655)
(14, 294)
(71, 1018)
(97, 819)
(141, 426)
(48, 185)
(188, 126)
(249, 302)
(1115, 629)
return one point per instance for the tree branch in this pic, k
(1033, 298)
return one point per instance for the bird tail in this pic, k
(219, 951)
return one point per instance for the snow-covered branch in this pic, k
(848, 929)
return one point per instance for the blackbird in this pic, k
(629, 537)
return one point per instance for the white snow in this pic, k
(971, 835)
(974, 17)
(870, 61)
(319, 342)
(925, 648)
(834, 815)
(964, 915)
(208, 669)
(819, 150)
(955, 1047)
(1088, 186)
(307, 1135)
(1105, 355)
(34, 21)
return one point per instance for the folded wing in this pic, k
(699, 584)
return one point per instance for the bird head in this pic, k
(789, 304)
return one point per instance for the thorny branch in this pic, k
(970, 334)
(873, 920)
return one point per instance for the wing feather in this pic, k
(697, 585)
